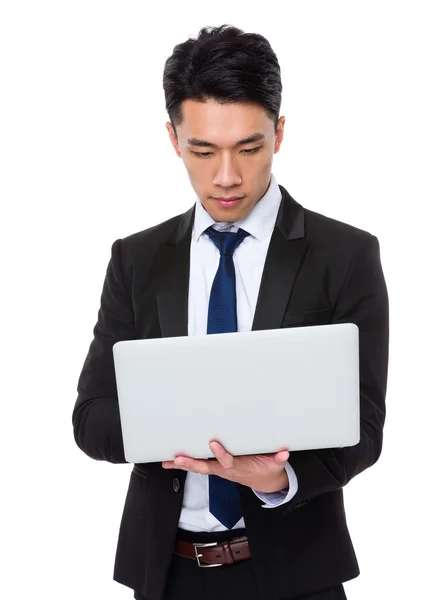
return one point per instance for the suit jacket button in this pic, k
(176, 485)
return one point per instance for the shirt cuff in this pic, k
(273, 499)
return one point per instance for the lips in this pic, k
(228, 202)
(232, 199)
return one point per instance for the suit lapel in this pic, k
(172, 272)
(287, 248)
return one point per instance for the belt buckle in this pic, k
(197, 556)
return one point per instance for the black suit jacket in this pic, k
(317, 271)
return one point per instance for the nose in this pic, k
(227, 175)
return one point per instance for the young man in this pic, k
(245, 256)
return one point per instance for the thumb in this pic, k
(281, 457)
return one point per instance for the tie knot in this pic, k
(226, 241)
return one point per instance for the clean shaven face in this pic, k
(228, 153)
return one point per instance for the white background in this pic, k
(86, 159)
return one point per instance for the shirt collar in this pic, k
(259, 222)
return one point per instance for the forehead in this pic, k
(222, 124)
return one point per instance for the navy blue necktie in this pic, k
(224, 500)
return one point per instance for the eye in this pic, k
(202, 154)
(251, 150)
(246, 151)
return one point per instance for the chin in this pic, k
(227, 215)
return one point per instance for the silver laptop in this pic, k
(255, 392)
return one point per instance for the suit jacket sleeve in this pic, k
(363, 300)
(96, 417)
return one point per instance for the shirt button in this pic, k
(176, 485)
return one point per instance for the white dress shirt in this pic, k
(249, 260)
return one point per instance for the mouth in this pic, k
(229, 202)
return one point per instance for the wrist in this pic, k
(277, 483)
(283, 481)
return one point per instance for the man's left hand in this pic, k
(262, 472)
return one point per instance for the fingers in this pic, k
(281, 457)
(189, 464)
(224, 460)
(224, 457)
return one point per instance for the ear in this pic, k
(173, 138)
(279, 134)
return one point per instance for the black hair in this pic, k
(225, 64)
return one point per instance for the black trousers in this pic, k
(187, 581)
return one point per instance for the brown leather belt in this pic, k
(214, 554)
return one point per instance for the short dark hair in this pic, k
(225, 64)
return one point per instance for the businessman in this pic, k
(245, 256)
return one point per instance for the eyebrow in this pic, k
(255, 137)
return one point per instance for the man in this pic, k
(245, 256)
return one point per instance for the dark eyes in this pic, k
(246, 151)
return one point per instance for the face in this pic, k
(228, 152)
